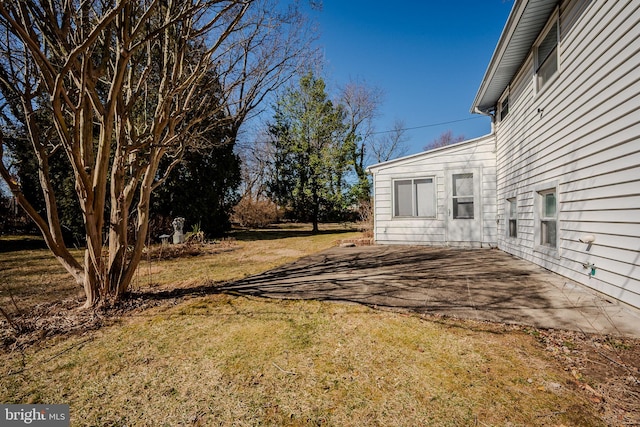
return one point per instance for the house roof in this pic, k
(525, 22)
(408, 159)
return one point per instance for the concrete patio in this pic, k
(479, 284)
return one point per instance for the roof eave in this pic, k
(523, 11)
(509, 27)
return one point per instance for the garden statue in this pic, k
(178, 225)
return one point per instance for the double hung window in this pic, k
(548, 219)
(462, 196)
(504, 108)
(547, 55)
(512, 206)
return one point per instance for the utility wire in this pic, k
(429, 125)
(247, 143)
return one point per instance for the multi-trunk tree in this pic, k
(126, 84)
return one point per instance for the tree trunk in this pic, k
(315, 210)
(92, 282)
(125, 84)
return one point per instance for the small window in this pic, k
(504, 108)
(513, 217)
(463, 196)
(414, 198)
(548, 219)
(547, 56)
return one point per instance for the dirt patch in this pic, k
(605, 368)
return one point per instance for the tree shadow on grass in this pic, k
(279, 233)
(481, 284)
(21, 243)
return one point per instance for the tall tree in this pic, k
(122, 83)
(273, 44)
(270, 45)
(360, 103)
(310, 160)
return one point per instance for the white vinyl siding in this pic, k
(582, 132)
(477, 154)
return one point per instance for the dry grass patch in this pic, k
(224, 360)
(227, 360)
(41, 299)
(246, 253)
(29, 275)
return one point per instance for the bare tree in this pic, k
(275, 46)
(255, 208)
(361, 103)
(272, 45)
(446, 138)
(391, 144)
(127, 83)
(256, 158)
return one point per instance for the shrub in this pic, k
(255, 213)
(195, 236)
(365, 223)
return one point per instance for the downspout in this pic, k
(477, 110)
(488, 113)
(374, 229)
(495, 151)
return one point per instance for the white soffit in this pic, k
(525, 22)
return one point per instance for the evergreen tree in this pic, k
(310, 160)
(202, 188)
(25, 167)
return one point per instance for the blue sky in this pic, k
(427, 57)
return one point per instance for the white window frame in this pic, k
(414, 205)
(505, 100)
(541, 218)
(512, 215)
(455, 198)
(553, 57)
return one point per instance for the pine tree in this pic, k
(310, 160)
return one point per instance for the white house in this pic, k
(445, 196)
(563, 91)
